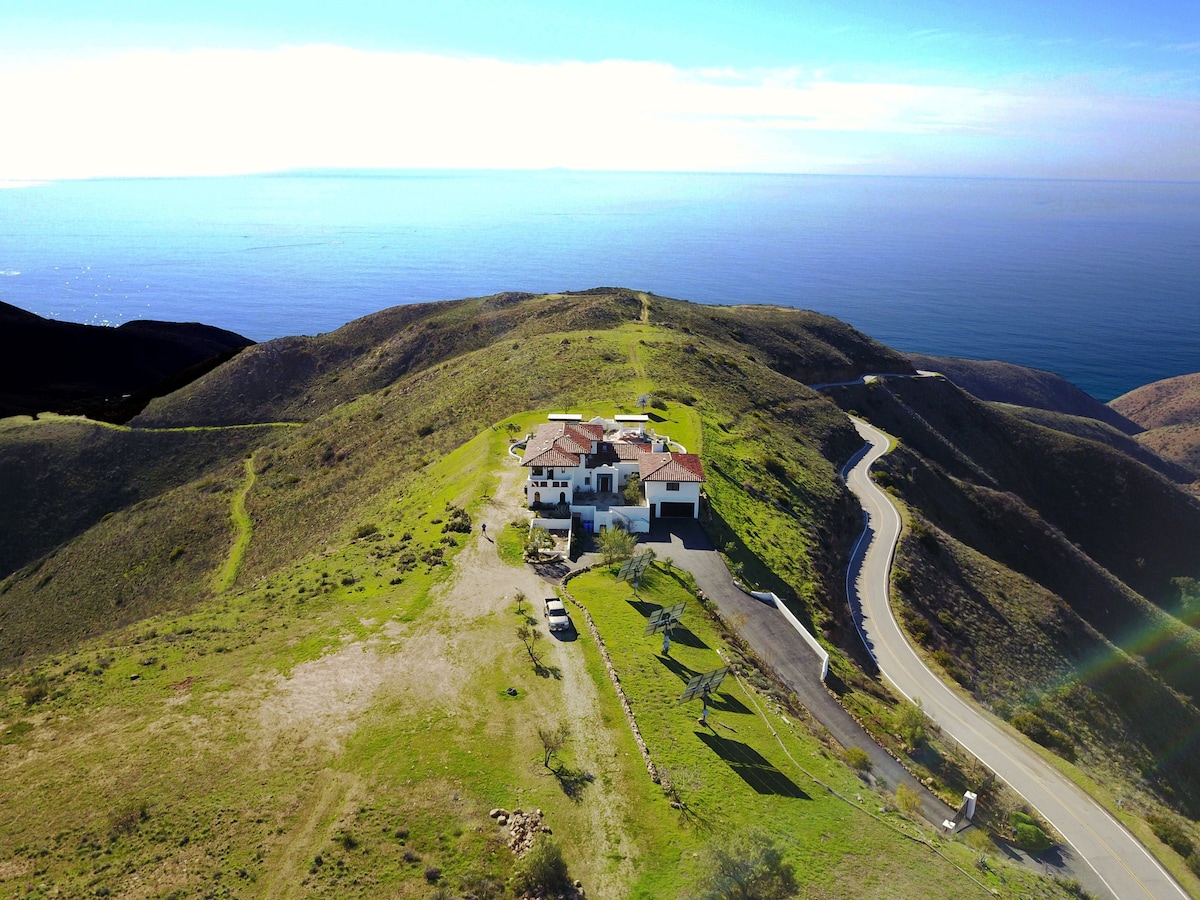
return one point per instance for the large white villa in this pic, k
(586, 465)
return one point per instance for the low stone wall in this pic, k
(652, 769)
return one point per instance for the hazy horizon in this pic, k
(1088, 91)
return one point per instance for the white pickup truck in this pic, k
(556, 615)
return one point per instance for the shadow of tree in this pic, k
(573, 781)
(544, 671)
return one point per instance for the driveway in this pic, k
(1125, 867)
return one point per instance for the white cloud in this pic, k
(227, 111)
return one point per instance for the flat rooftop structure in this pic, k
(565, 417)
(635, 417)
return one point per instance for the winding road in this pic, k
(1121, 863)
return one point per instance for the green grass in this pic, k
(756, 767)
(243, 530)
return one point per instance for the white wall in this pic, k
(689, 492)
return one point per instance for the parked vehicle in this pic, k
(556, 615)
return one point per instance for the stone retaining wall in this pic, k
(655, 776)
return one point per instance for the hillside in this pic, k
(105, 373)
(256, 661)
(1036, 570)
(1003, 382)
(1169, 411)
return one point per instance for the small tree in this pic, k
(750, 867)
(632, 491)
(908, 801)
(910, 722)
(615, 544)
(539, 540)
(520, 598)
(553, 741)
(858, 758)
(543, 870)
(529, 637)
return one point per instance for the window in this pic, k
(672, 485)
(587, 479)
(537, 471)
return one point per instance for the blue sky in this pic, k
(1016, 89)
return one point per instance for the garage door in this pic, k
(676, 510)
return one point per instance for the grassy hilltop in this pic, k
(258, 661)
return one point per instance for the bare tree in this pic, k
(553, 741)
(529, 637)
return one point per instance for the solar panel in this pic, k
(700, 685)
(662, 619)
(633, 569)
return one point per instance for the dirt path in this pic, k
(242, 530)
(334, 795)
(486, 584)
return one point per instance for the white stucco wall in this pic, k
(689, 492)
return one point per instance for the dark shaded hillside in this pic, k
(1126, 517)
(58, 477)
(1035, 660)
(296, 379)
(299, 378)
(803, 345)
(1095, 430)
(104, 373)
(1021, 386)
(1025, 571)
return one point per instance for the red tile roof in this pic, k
(630, 450)
(567, 440)
(671, 467)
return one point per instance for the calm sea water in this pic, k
(1097, 281)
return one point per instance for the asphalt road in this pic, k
(1120, 862)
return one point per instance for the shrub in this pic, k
(1170, 834)
(37, 690)
(858, 758)
(543, 869)
(366, 530)
(432, 874)
(1033, 726)
(1031, 838)
(748, 866)
(1028, 833)
(908, 801)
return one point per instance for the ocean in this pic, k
(1096, 281)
